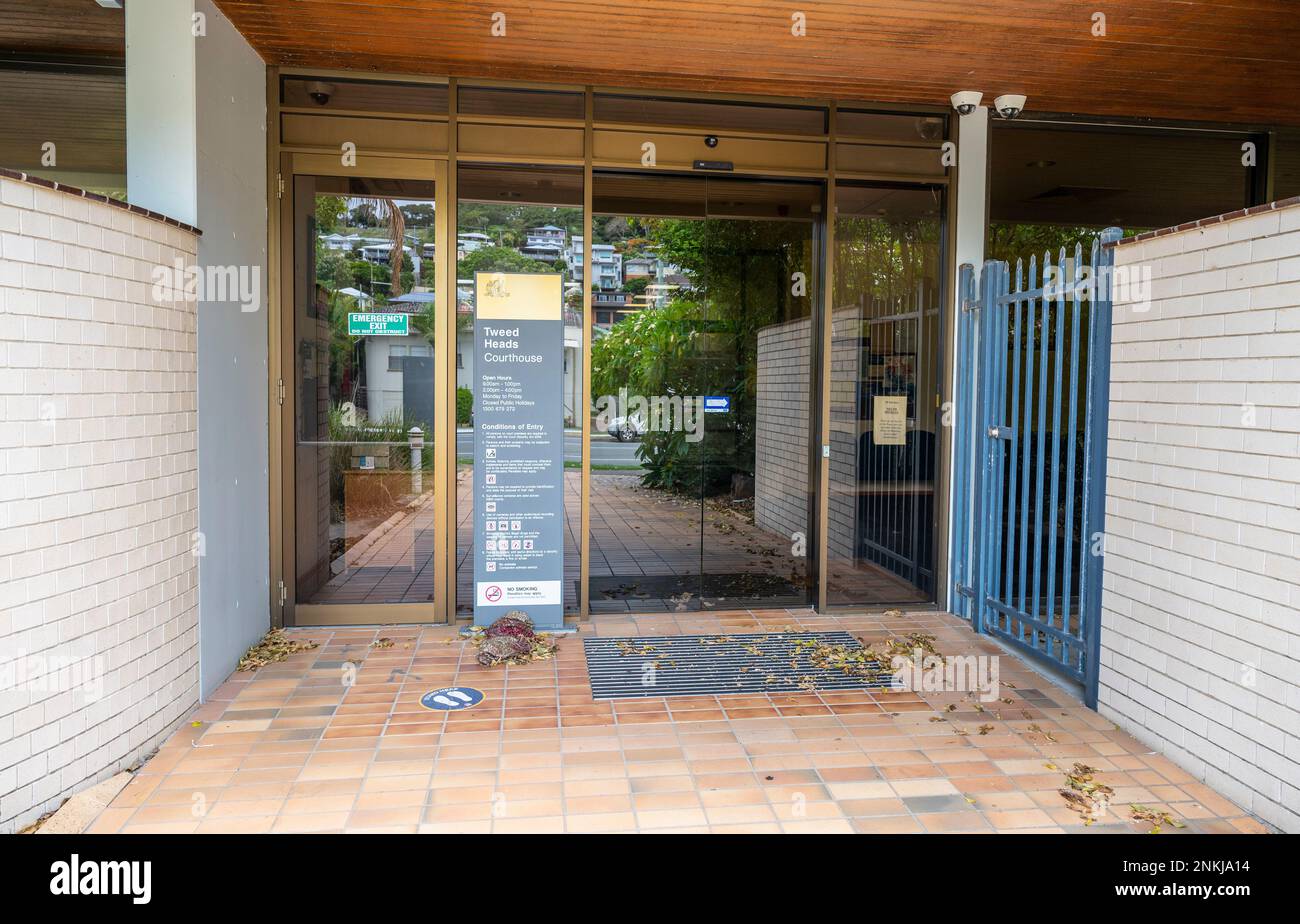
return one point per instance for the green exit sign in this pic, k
(378, 325)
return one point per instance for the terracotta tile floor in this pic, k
(290, 748)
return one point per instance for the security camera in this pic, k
(966, 101)
(929, 129)
(711, 141)
(320, 92)
(1009, 105)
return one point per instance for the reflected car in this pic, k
(626, 428)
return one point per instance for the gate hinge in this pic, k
(969, 304)
(279, 392)
(1002, 433)
(279, 186)
(284, 593)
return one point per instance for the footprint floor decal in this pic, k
(452, 699)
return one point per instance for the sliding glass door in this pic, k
(702, 386)
(886, 422)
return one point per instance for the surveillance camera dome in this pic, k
(929, 129)
(1009, 105)
(320, 92)
(966, 101)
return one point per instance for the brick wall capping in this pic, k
(1292, 202)
(95, 197)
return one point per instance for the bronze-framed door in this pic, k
(365, 333)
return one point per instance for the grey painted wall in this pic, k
(234, 576)
(160, 157)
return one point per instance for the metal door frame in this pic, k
(292, 611)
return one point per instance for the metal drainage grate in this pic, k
(701, 665)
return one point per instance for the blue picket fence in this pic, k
(1032, 396)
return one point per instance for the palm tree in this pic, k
(387, 213)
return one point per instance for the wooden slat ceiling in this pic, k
(62, 80)
(61, 27)
(1202, 60)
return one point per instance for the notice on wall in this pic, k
(889, 420)
(519, 447)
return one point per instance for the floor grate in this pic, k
(702, 665)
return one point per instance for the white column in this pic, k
(972, 186)
(161, 144)
(971, 202)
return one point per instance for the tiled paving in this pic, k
(291, 748)
(636, 534)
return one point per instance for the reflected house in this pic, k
(399, 370)
(342, 242)
(640, 267)
(607, 272)
(381, 252)
(544, 243)
(362, 300)
(466, 243)
(608, 308)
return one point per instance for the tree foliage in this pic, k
(497, 260)
(704, 341)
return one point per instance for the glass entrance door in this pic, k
(515, 218)
(703, 368)
(363, 401)
(886, 420)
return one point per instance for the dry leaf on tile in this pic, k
(1155, 817)
(274, 647)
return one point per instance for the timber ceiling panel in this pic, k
(61, 27)
(1204, 60)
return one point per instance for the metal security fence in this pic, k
(1030, 467)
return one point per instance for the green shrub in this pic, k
(464, 407)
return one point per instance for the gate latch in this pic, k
(1002, 433)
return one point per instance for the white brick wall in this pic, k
(1201, 609)
(98, 498)
(781, 428)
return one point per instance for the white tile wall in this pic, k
(1201, 609)
(98, 495)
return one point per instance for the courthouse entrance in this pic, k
(749, 367)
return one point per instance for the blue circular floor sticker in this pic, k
(451, 699)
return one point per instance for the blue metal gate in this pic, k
(1032, 395)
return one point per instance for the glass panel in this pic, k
(918, 161)
(750, 117)
(1286, 164)
(69, 128)
(700, 448)
(1051, 186)
(884, 381)
(518, 219)
(882, 126)
(329, 94)
(504, 101)
(364, 390)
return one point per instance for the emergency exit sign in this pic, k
(378, 325)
